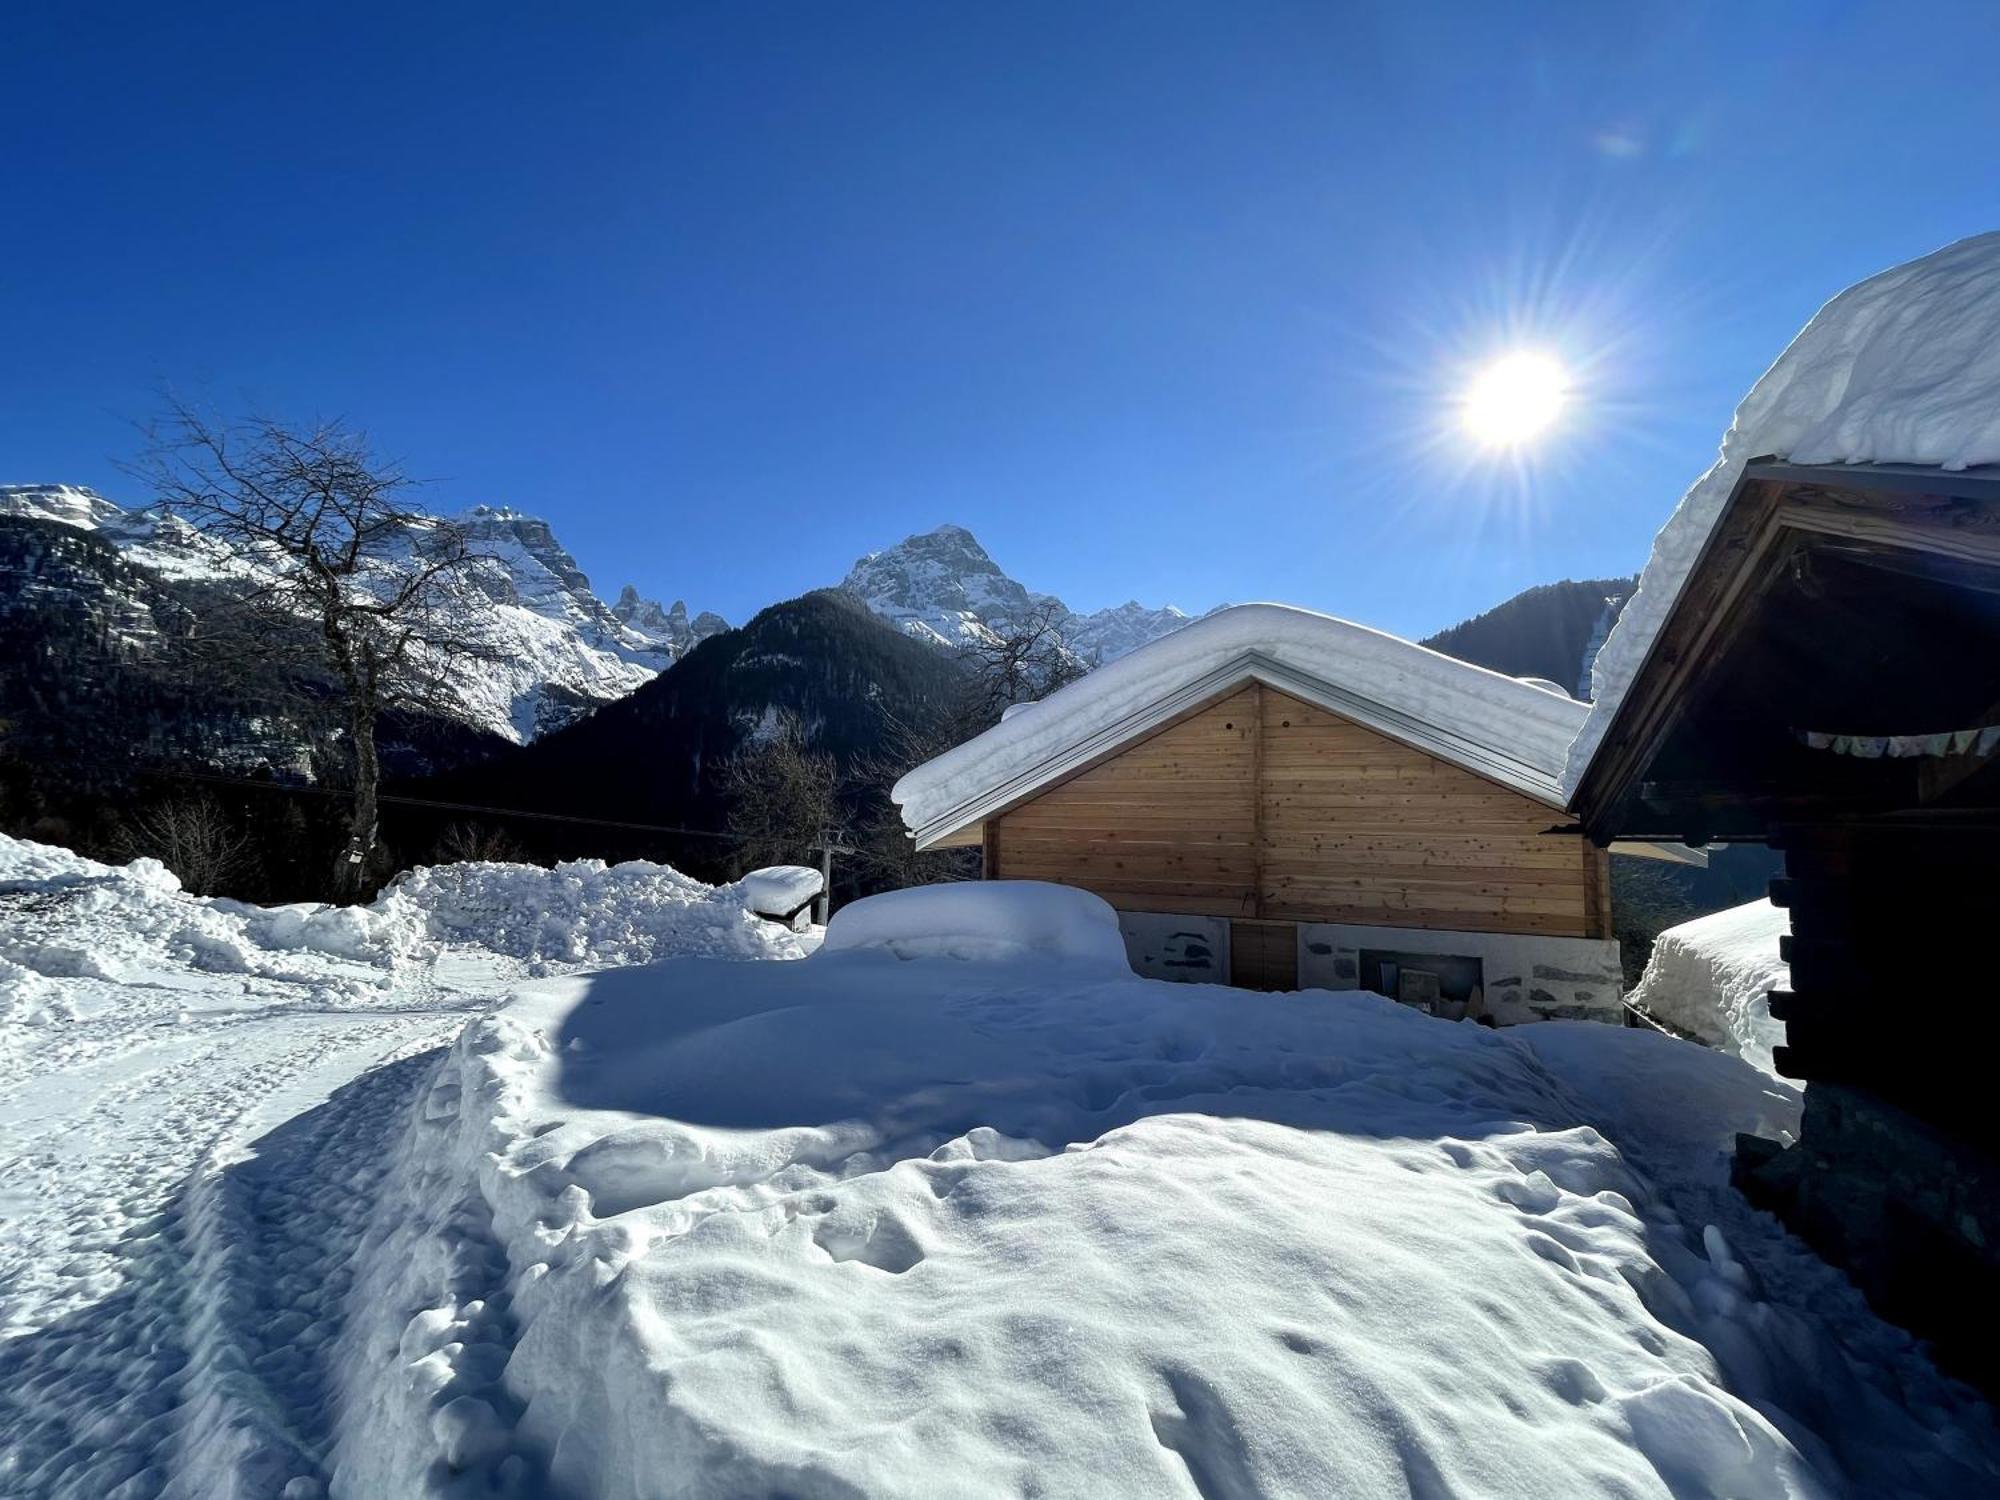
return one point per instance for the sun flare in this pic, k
(1514, 400)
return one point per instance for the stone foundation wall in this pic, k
(1911, 1211)
(1527, 978)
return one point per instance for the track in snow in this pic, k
(182, 1205)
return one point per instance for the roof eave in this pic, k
(1255, 666)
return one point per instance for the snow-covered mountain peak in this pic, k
(555, 649)
(671, 624)
(71, 504)
(942, 586)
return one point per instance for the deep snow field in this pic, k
(955, 1207)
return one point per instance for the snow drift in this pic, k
(1712, 977)
(63, 917)
(1902, 368)
(900, 1226)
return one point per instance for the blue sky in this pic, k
(1161, 300)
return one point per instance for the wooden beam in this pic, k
(1257, 851)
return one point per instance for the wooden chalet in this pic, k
(1277, 799)
(1828, 680)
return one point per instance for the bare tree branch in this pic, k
(345, 584)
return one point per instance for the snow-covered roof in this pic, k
(1903, 368)
(1497, 726)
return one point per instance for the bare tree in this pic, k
(353, 585)
(782, 795)
(193, 837)
(887, 856)
(1027, 662)
(1030, 660)
(470, 842)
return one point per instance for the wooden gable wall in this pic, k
(1262, 806)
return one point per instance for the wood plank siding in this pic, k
(1261, 806)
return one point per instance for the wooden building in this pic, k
(1828, 680)
(1277, 799)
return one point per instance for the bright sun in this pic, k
(1514, 399)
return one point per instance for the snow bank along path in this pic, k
(1902, 368)
(196, 1098)
(1713, 976)
(894, 1223)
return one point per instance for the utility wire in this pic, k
(257, 784)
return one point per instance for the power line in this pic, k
(256, 784)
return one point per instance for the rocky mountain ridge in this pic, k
(555, 649)
(943, 588)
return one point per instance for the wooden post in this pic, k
(832, 841)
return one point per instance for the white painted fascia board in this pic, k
(1253, 666)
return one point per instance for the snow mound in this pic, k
(580, 912)
(778, 891)
(983, 919)
(1713, 976)
(63, 917)
(906, 1229)
(1511, 729)
(1902, 368)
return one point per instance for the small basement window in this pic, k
(1438, 984)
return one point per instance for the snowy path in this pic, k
(183, 1188)
(198, 1101)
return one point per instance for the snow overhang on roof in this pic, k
(1903, 368)
(1493, 725)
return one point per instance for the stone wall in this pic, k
(1910, 1210)
(1527, 978)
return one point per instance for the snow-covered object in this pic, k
(987, 920)
(125, 922)
(779, 891)
(1902, 368)
(1713, 977)
(940, 1228)
(580, 912)
(1486, 721)
(550, 647)
(941, 586)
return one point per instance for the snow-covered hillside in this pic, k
(553, 648)
(942, 587)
